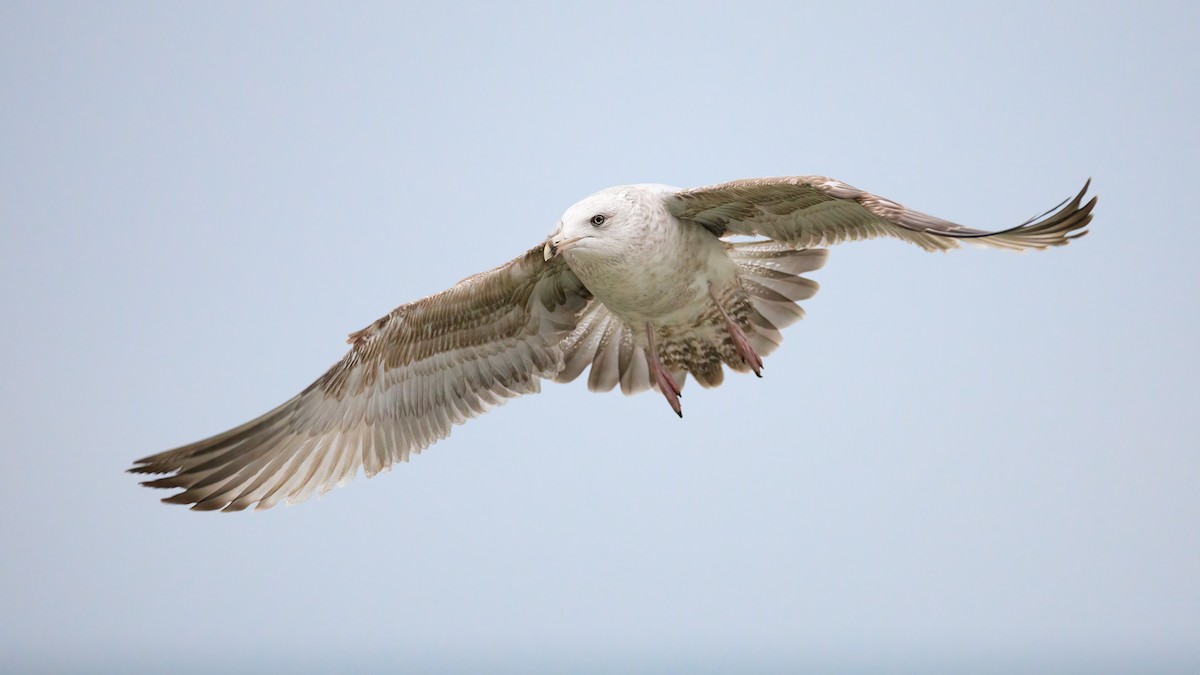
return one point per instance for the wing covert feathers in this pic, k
(407, 379)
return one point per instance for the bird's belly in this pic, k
(658, 298)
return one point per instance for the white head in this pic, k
(607, 223)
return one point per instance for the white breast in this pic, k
(663, 277)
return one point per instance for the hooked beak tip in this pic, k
(549, 251)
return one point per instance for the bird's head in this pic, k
(600, 226)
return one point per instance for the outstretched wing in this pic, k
(810, 211)
(407, 379)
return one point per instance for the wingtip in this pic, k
(1087, 185)
(144, 469)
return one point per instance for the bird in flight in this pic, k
(642, 285)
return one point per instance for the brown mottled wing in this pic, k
(408, 378)
(810, 211)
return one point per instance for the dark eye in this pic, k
(597, 220)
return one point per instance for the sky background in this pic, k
(980, 461)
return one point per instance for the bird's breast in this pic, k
(663, 280)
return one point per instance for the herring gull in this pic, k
(646, 284)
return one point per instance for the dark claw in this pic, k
(666, 384)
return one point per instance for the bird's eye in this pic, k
(597, 220)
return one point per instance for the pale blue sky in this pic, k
(978, 462)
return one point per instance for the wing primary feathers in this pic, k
(1056, 229)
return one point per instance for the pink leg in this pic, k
(740, 341)
(666, 383)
